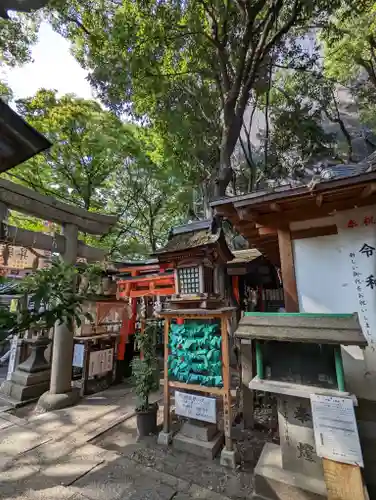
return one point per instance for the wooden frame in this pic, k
(223, 315)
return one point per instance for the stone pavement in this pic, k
(91, 452)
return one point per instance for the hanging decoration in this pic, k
(157, 307)
(195, 354)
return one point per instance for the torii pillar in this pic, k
(61, 393)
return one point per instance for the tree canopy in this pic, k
(172, 62)
(194, 99)
(101, 163)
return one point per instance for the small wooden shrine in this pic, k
(198, 252)
(196, 342)
(297, 355)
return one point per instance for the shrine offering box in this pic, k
(296, 352)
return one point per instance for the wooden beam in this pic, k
(343, 481)
(314, 232)
(274, 207)
(27, 201)
(245, 215)
(266, 231)
(368, 190)
(319, 200)
(310, 212)
(31, 239)
(288, 270)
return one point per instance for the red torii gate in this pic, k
(145, 280)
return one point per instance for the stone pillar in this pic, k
(61, 394)
(246, 377)
(292, 470)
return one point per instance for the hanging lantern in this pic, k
(21, 6)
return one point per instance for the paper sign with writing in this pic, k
(336, 432)
(101, 362)
(12, 357)
(78, 356)
(361, 257)
(195, 406)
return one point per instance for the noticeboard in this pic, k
(195, 406)
(336, 432)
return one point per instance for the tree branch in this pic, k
(77, 23)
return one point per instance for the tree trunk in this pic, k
(230, 135)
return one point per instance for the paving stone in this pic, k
(22, 480)
(15, 440)
(15, 420)
(4, 423)
(121, 479)
(51, 453)
(196, 491)
(175, 482)
(54, 493)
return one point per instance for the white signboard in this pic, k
(194, 406)
(101, 362)
(78, 356)
(360, 249)
(336, 432)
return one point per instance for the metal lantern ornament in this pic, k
(20, 6)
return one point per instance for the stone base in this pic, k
(50, 402)
(203, 449)
(24, 386)
(229, 458)
(164, 438)
(201, 431)
(274, 483)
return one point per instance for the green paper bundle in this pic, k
(195, 354)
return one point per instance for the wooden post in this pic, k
(166, 392)
(343, 481)
(3, 212)
(227, 421)
(288, 270)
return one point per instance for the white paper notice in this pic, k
(194, 406)
(78, 356)
(336, 432)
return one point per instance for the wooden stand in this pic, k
(200, 314)
(100, 381)
(343, 481)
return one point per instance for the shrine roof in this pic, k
(18, 140)
(244, 256)
(258, 215)
(337, 329)
(195, 235)
(186, 241)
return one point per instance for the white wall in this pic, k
(325, 284)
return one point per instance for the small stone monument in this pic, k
(296, 355)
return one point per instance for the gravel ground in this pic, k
(236, 484)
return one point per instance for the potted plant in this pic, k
(146, 377)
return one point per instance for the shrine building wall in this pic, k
(335, 274)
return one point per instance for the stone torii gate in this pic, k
(72, 219)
